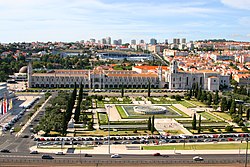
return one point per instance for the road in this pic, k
(24, 158)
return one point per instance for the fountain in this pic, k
(150, 110)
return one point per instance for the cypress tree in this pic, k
(153, 125)
(216, 97)
(209, 99)
(122, 91)
(240, 110)
(233, 107)
(149, 123)
(248, 114)
(229, 102)
(78, 106)
(199, 128)
(223, 105)
(149, 91)
(194, 122)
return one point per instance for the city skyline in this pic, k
(61, 20)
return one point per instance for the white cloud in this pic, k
(239, 4)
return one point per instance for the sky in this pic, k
(75, 20)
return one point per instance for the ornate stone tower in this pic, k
(174, 67)
(29, 72)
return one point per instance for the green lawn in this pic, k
(186, 104)
(179, 111)
(224, 115)
(218, 146)
(197, 103)
(103, 118)
(100, 104)
(121, 112)
(210, 117)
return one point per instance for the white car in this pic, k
(59, 153)
(198, 158)
(115, 156)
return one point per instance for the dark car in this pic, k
(87, 155)
(156, 154)
(45, 156)
(5, 151)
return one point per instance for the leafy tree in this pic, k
(194, 122)
(223, 105)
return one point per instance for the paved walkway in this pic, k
(33, 116)
(184, 109)
(122, 149)
(113, 114)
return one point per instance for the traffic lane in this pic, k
(126, 156)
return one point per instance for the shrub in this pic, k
(178, 98)
(229, 128)
(172, 97)
(211, 129)
(135, 131)
(244, 129)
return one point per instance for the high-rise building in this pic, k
(103, 41)
(141, 41)
(153, 41)
(108, 40)
(183, 40)
(133, 42)
(115, 42)
(176, 40)
(166, 41)
(119, 41)
(92, 40)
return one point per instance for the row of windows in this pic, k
(95, 80)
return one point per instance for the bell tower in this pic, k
(174, 67)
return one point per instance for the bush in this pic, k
(244, 129)
(172, 97)
(178, 98)
(211, 129)
(135, 131)
(229, 129)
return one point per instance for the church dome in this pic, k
(23, 69)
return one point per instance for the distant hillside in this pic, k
(215, 40)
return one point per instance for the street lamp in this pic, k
(246, 154)
(109, 106)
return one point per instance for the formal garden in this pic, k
(198, 111)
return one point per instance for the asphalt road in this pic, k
(22, 158)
